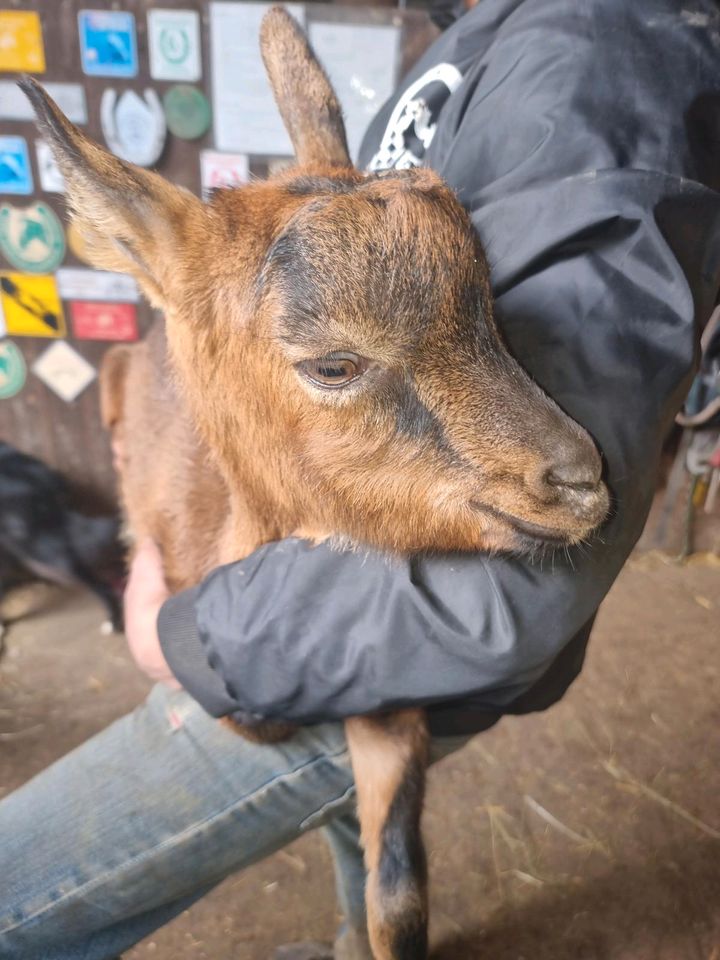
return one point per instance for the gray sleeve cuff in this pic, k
(186, 655)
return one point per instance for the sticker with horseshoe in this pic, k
(134, 127)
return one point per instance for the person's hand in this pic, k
(145, 593)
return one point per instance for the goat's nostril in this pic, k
(573, 476)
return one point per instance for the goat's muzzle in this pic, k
(560, 498)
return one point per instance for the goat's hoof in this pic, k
(305, 951)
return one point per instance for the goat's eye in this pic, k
(335, 370)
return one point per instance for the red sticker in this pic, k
(103, 321)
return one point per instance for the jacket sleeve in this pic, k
(603, 257)
(306, 634)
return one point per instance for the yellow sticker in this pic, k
(21, 42)
(31, 305)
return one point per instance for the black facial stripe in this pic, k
(286, 264)
(412, 417)
(415, 421)
(304, 186)
(393, 174)
(308, 186)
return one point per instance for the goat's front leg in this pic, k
(389, 757)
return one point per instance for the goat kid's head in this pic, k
(334, 334)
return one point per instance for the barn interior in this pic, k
(590, 831)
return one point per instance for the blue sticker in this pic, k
(107, 43)
(15, 172)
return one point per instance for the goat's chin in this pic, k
(484, 535)
(468, 527)
(512, 534)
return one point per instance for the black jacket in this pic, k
(584, 138)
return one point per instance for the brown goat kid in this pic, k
(330, 367)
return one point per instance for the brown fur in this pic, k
(383, 752)
(443, 443)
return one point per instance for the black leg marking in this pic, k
(402, 871)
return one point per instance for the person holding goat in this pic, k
(592, 182)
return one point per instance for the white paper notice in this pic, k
(74, 283)
(246, 119)
(64, 371)
(362, 64)
(70, 97)
(174, 41)
(218, 170)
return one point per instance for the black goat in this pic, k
(42, 538)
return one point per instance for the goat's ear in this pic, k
(133, 220)
(306, 100)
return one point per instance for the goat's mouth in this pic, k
(530, 534)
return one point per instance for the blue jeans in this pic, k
(125, 832)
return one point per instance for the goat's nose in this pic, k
(572, 477)
(572, 464)
(569, 473)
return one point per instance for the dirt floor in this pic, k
(591, 832)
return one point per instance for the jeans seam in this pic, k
(179, 837)
(328, 805)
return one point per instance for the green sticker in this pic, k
(187, 112)
(13, 371)
(32, 237)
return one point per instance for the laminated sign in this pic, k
(70, 97)
(64, 371)
(15, 173)
(21, 43)
(220, 170)
(31, 306)
(31, 237)
(174, 40)
(108, 46)
(74, 283)
(103, 321)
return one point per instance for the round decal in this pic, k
(32, 237)
(13, 371)
(187, 112)
(77, 243)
